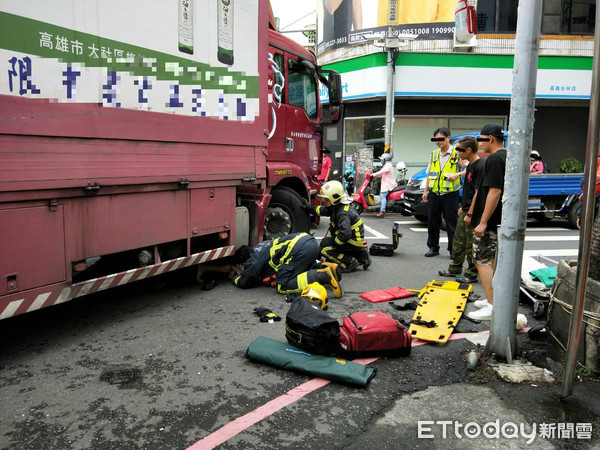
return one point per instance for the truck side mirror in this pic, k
(334, 81)
(335, 113)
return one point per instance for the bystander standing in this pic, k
(487, 214)
(462, 244)
(325, 174)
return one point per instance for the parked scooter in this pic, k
(394, 198)
(364, 199)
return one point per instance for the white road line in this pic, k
(376, 234)
(409, 222)
(552, 238)
(552, 252)
(444, 240)
(529, 230)
(550, 229)
(371, 234)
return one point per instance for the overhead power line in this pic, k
(298, 20)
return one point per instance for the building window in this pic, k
(302, 92)
(559, 16)
(497, 16)
(579, 17)
(365, 131)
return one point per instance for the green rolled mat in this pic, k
(546, 275)
(286, 356)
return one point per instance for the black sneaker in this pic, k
(465, 279)
(431, 253)
(447, 273)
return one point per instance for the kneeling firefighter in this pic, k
(288, 262)
(345, 245)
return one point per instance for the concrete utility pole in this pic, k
(511, 236)
(587, 221)
(391, 45)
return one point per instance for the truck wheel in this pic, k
(285, 214)
(358, 207)
(543, 217)
(421, 218)
(572, 214)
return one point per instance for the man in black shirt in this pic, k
(487, 213)
(462, 244)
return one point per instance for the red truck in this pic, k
(135, 144)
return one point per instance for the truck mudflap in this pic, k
(23, 302)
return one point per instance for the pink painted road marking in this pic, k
(229, 430)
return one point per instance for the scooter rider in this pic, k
(388, 183)
(345, 245)
(287, 263)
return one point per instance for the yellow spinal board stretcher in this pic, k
(440, 307)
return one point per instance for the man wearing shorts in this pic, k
(487, 213)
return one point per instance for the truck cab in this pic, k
(295, 141)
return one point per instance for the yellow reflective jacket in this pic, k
(438, 176)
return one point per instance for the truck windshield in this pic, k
(302, 92)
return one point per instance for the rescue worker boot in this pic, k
(335, 269)
(203, 268)
(365, 258)
(350, 266)
(207, 274)
(326, 277)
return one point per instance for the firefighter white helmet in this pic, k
(333, 191)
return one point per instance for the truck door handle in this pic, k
(289, 145)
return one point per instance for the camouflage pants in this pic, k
(484, 248)
(462, 248)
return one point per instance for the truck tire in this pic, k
(542, 218)
(572, 214)
(285, 214)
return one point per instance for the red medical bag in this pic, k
(374, 334)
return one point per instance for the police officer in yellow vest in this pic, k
(441, 191)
